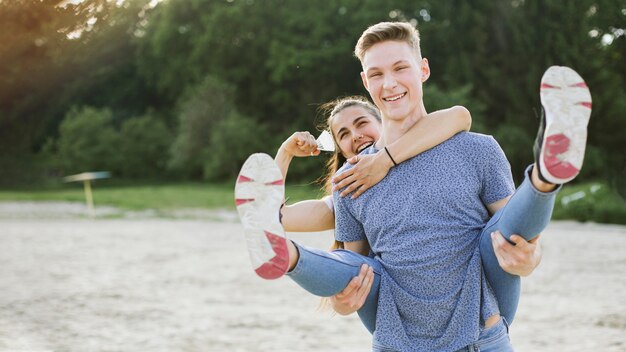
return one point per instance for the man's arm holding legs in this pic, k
(520, 257)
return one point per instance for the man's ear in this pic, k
(425, 70)
(364, 80)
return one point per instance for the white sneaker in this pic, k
(566, 102)
(259, 194)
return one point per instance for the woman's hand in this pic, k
(301, 144)
(298, 144)
(368, 170)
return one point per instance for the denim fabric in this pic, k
(324, 274)
(494, 339)
(527, 213)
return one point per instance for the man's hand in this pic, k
(520, 258)
(368, 170)
(354, 295)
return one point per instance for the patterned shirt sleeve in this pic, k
(497, 181)
(347, 227)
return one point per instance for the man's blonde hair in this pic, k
(388, 31)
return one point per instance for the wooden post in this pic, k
(89, 198)
(87, 177)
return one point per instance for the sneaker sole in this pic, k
(259, 194)
(567, 104)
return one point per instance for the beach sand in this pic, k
(154, 284)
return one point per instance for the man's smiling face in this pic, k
(393, 75)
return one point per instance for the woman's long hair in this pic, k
(331, 109)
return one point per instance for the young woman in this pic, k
(354, 125)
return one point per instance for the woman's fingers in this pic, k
(343, 179)
(351, 188)
(350, 181)
(305, 144)
(364, 187)
(365, 174)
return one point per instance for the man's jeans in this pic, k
(494, 339)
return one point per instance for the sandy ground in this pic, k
(68, 283)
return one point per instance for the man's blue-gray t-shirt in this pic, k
(423, 222)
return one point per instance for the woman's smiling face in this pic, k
(354, 129)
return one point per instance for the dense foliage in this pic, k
(187, 88)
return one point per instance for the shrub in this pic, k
(590, 202)
(517, 146)
(594, 165)
(87, 141)
(232, 140)
(200, 109)
(144, 142)
(438, 99)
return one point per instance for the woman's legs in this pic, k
(527, 213)
(559, 153)
(259, 193)
(325, 274)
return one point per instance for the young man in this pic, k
(432, 294)
(427, 221)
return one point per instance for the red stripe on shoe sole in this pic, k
(554, 146)
(579, 85)
(278, 265)
(276, 183)
(585, 104)
(549, 86)
(243, 178)
(561, 169)
(240, 201)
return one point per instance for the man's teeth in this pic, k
(395, 97)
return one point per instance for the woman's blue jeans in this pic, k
(527, 213)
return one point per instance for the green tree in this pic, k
(164, 44)
(232, 140)
(33, 37)
(55, 55)
(201, 108)
(46, 53)
(144, 142)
